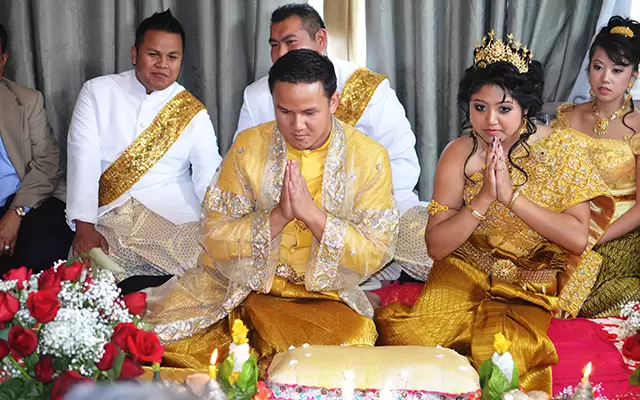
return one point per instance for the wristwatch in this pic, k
(21, 211)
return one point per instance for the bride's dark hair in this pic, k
(525, 88)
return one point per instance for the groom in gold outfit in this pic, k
(301, 212)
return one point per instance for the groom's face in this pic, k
(303, 113)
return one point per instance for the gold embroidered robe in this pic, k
(619, 279)
(241, 274)
(504, 278)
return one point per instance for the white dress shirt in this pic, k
(111, 112)
(384, 120)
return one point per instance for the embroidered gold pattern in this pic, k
(356, 94)
(559, 178)
(149, 147)
(434, 207)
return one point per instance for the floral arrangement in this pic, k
(498, 374)
(68, 325)
(630, 331)
(239, 370)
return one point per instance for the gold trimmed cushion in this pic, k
(414, 368)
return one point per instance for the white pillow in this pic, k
(409, 371)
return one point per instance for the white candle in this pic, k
(385, 394)
(347, 385)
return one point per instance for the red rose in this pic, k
(109, 356)
(64, 383)
(43, 305)
(135, 302)
(146, 348)
(21, 275)
(4, 349)
(44, 369)
(9, 306)
(123, 332)
(23, 341)
(70, 273)
(631, 347)
(49, 280)
(130, 370)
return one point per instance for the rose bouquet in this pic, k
(630, 331)
(68, 325)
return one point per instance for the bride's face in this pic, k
(493, 113)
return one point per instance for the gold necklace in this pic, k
(602, 123)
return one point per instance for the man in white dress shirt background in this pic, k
(141, 153)
(368, 103)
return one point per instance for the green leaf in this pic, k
(485, 372)
(634, 379)
(59, 364)
(4, 333)
(248, 379)
(18, 389)
(114, 372)
(515, 379)
(496, 385)
(226, 367)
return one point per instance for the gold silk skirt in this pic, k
(287, 316)
(462, 308)
(619, 278)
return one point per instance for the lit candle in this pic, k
(586, 372)
(385, 394)
(347, 385)
(213, 370)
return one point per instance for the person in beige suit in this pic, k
(33, 230)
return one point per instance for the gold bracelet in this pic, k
(475, 212)
(434, 207)
(514, 197)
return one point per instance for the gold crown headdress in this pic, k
(490, 51)
(622, 30)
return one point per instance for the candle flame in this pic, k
(214, 357)
(587, 371)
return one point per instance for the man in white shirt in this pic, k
(368, 103)
(141, 153)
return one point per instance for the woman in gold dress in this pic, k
(610, 124)
(511, 227)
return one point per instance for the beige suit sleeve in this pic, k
(43, 172)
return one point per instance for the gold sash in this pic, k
(149, 147)
(356, 94)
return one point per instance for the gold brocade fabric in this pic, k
(505, 278)
(296, 236)
(288, 315)
(145, 243)
(356, 94)
(619, 279)
(242, 264)
(149, 147)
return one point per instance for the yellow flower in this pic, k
(239, 332)
(500, 343)
(233, 377)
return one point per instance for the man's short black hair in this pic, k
(304, 66)
(3, 40)
(311, 20)
(161, 21)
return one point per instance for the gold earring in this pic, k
(523, 128)
(473, 133)
(592, 94)
(630, 87)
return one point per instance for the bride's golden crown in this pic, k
(490, 51)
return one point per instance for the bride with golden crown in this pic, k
(510, 224)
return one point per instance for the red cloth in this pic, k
(577, 342)
(580, 341)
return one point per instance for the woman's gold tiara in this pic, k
(490, 51)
